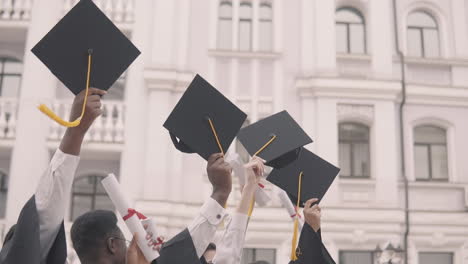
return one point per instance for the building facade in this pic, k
(333, 65)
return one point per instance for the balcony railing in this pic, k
(120, 11)
(108, 128)
(8, 109)
(15, 9)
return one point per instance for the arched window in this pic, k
(225, 25)
(3, 192)
(266, 26)
(354, 157)
(88, 194)
(350, 31)
(430, 153)
(10, 76)
(422, 35)
(245, 26)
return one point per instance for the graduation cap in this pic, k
(309, 176)
(204, 121)
(276, 139)
(85, 49)
(317, 175)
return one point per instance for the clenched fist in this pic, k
(219, 174)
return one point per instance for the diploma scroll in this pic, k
(131, 217)
(261, 197)
(290, 208)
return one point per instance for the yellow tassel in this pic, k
(296, 221)
(252, 204)
(48, 112)
(294, 239)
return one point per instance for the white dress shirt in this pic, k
(203, 227)
(52, 197)
(229, 251)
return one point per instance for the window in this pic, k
(10, 76)
(422, 35)
(435, 258)
(245, 26)
(3, 192)
(430, 153)
(354, 157)
(356, 257)
(350, 31)
(225, 25)
(251, 255)
(266, 26)
(89, 194)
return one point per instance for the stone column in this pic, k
(30, 155)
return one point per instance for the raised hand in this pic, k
(134, 254)
(254, 171)
(312, 214)
(219, 174)
(92, 111)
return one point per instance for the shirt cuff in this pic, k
(60, 158)
(213, 212)
(239, 221)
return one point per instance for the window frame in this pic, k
(222, 19)
(351, 143)
(96, 180)
(4, 189)
(421, 32)
(3, 61)
(342, 252)
(348, 26)
(429, 147)
(452, 254)
(250, 21)
(261, 21)
(254, 253)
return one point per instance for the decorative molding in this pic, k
(348, 88)
(438, 239)
(359, 237)
(244, 54)
(167, 80)
(355, 112)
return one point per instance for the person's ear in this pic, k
(112, 245)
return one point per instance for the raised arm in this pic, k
(229, 251)
(54, 189)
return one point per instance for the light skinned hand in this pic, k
(312, 213)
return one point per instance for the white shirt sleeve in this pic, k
(52, 197)
(229, 251)
(203, 228)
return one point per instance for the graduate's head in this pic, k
(210, 252)
(96, 236)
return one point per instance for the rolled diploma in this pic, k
(112, 187)
(286, 202)
(151, 227)
(261, 197)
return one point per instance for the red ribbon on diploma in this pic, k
(132, 212)
(261, 185)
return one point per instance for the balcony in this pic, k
(120, 11)
(108, 128)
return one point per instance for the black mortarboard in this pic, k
(200, 105)
(318, 175)
(64, 50)
(287, 134)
